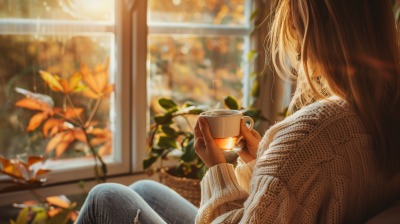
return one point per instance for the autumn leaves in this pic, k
(66, 126)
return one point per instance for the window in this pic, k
(196, 49)
(58, 36)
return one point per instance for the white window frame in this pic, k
(82, 168)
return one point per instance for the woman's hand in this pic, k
(250, 139)
(204, 144)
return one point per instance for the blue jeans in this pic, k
(116, 203)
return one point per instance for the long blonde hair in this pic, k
(347, 48)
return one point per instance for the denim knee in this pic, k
(106, 190)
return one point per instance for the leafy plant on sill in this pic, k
(165, 135)
(26, 175)
(68, 125)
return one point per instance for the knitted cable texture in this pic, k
(316, 166)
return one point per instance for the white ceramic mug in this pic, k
(225, 127)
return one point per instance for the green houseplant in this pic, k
(166, 135)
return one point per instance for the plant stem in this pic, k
(69, 119)
(73, 107)
(37, 195)
(96, 156)
(93, 111)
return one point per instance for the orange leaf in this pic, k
(51, 123)
(53, 131)
(70, 113)
(101, 76)
(54, 212)
(64, 84)
(58, 201)
(55, 141)
(10, 168)
(89, 78)
(92, 123)
(98, 141)
(73, 216)
(51, 81)
(105, 149)
(30, 203)
(29, 104)
(74, 81)
(69, 136)
(97, 131)
(41, 172)
(34, 159)
(89, 93)
(36, 120)
(62, 147)
(80, 135)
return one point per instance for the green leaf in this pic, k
(166, 103)
(188, 104)
(255, 91)
(163, 118)
(167, 142)
(253, 113)
(59, 218)
(284, 113)
(12, 221)
(23, 216)
(189, 154)
(81, 184)
(251, 55)
(149, 161)
(231, 103)
(254, 14)
(199, 163)
(253, 74)
(40, 217)
(182, 168)
(168, 130)
(196, 111)
(202, 171)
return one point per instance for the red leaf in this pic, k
(55, 141)
(29, 104)
(34, 159)
(51, 123)
(58, 201)
(70, 113)
(36, 120)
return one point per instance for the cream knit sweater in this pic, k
(316, 166)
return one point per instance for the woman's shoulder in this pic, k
(333, 115)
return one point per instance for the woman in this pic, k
(335, 160)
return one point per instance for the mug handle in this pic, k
(250, 127)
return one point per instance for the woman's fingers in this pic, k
(256, 134)
(247, 134)
(205, 131)
(196, 129)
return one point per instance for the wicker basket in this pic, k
(186, 187)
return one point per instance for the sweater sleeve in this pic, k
(271, 197)
(244, 172)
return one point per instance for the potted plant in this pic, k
(167, 136)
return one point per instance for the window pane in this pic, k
(21, 57)
(221, 12)
(198, 69)
(88, 10)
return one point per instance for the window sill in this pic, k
(70, 188)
